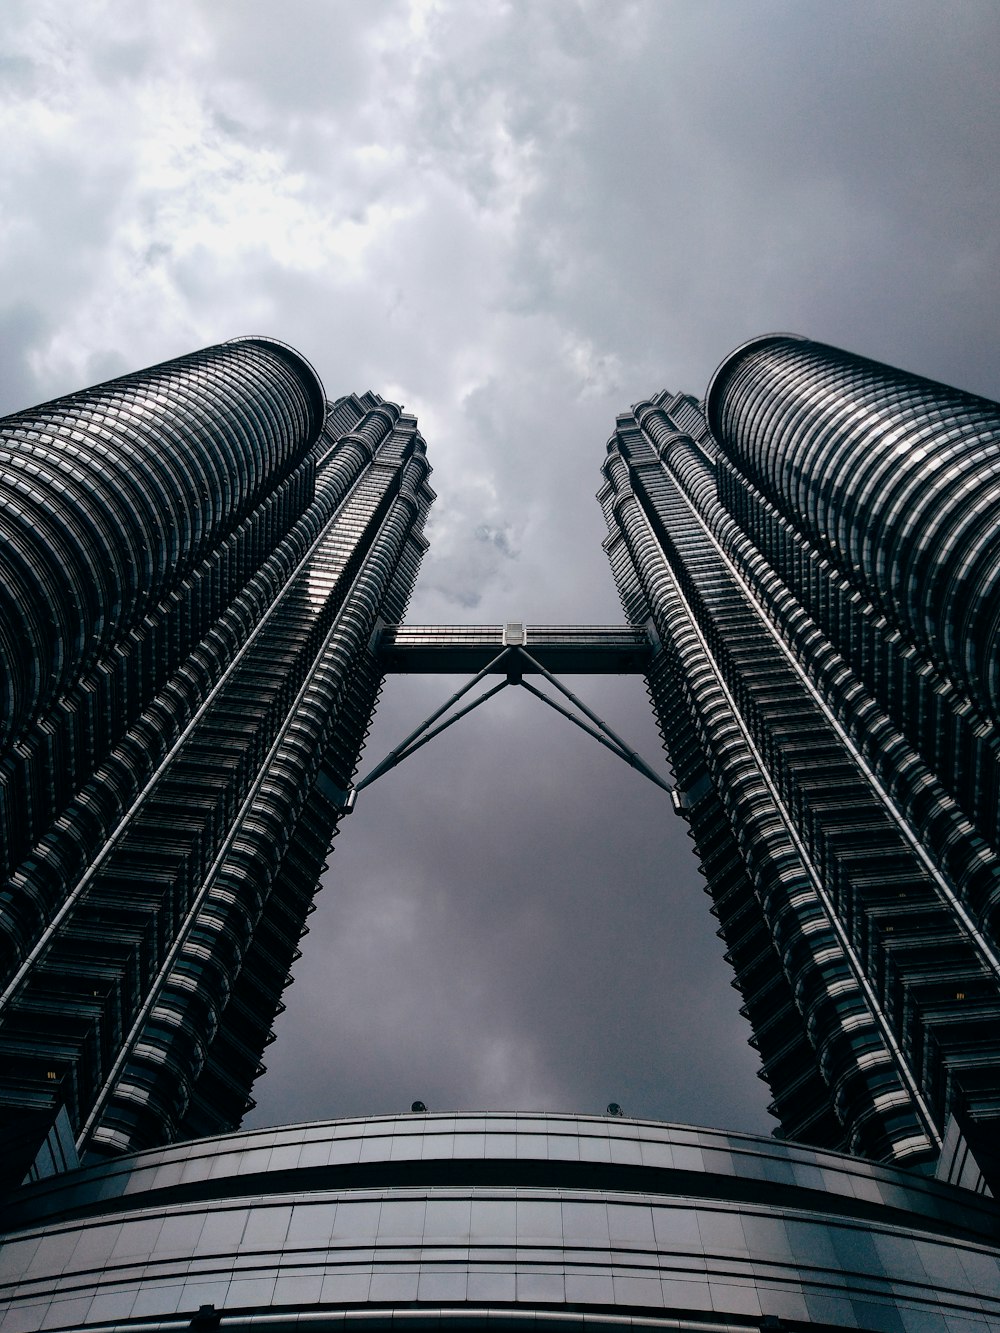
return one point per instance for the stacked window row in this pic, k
(41, 771)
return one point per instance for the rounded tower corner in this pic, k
(726, 366)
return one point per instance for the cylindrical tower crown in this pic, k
(894, 478)
(110, 496)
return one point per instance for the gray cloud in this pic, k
(499, 538)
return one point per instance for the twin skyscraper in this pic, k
(199, 565)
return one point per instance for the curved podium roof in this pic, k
(473, 1220)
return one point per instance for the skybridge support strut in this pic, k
(595, 650)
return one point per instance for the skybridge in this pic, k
(513, 651)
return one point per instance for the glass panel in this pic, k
(197, 1294)
(223, 1231)
(983, 1270)
(375, 1148)
(624, 1150)
(110, 1305)
(315, 1154)
(875, 1315)
(50, 1256)
(502, 1146)
(345, 1288)
(657, 1154)
(285, 1159)
(67, 1314)
(640, 1291)
(735, 1298)
(344, 1151)
(538, 1220)
(356, 1221)
(856, 1250)
(137, 1238)
(406, 1147)
(594, 1150)
(311, 1226)
(585, 1223)
(826, 1310)
(497, 1285)
(266, 1228)
(685, 1295)
(811, 1244)
(493, 1219)
(226, 1164)
(766, 1237)
(254, 1161)
(448, 1220)
(630, 1224)
(179, 1235)
(442, 1286)
(590, 1288)
(541, 1287)
(533, 1146)
(94, 1247)
(298, 1290)
(677, 1229)
(250, 1293)
(158, 1297)
(401, 1219)
(721, 1232)
(399, 1286)
(470, 1145)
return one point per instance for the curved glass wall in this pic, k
(468, 1220)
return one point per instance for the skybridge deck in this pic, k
(571, 650)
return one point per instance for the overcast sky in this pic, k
(516, 219)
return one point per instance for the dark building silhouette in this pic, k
(195, 559)
(817, 552)
(207, 565)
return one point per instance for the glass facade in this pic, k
(817, 556)
(195, 560)
(474, 1220)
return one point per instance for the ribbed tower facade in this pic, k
(195, 558)
(815, 548)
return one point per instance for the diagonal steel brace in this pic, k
(407, 746)
(623, 750)
(620, 749)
